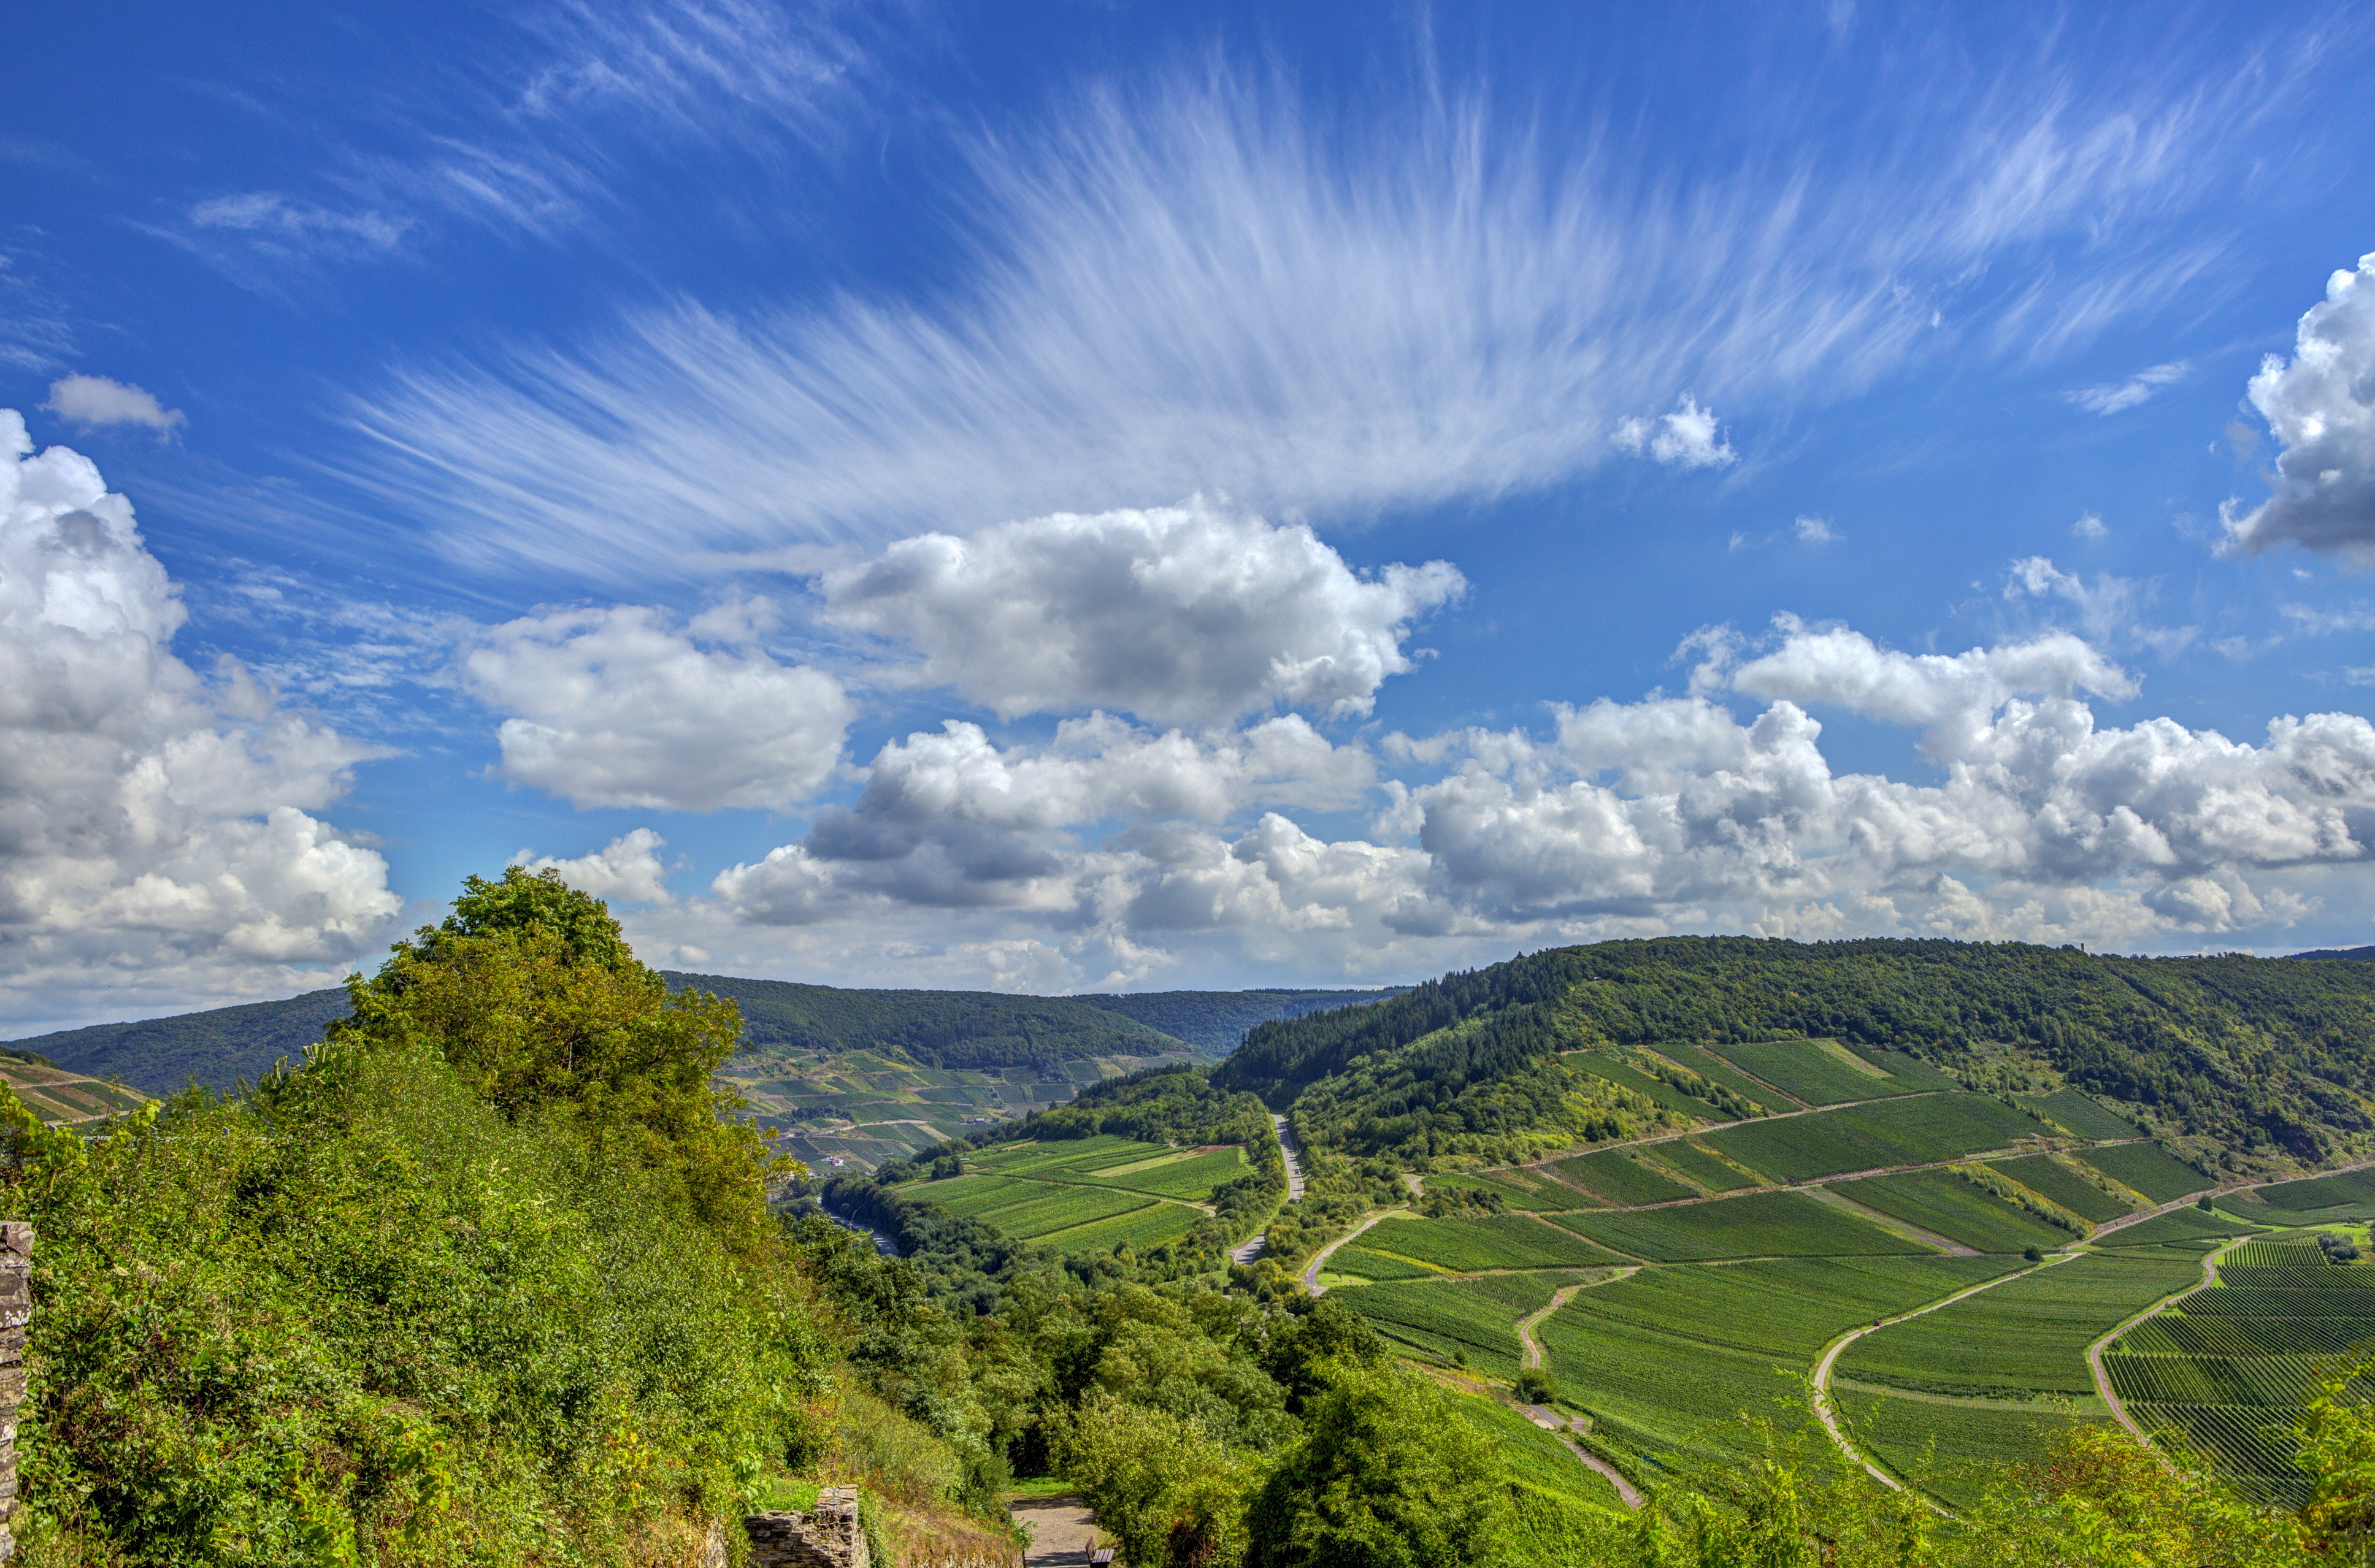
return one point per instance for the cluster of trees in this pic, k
(2264, 1056)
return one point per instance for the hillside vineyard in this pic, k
(1638, 1187)
(1687, 1242)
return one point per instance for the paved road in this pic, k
(1311, 1270)
(1062, 1531)
(1251, 1247)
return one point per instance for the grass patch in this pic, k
(2024, 1338)
(1946, 1203)
(1657, 1090)
(2049, 1177)
(1761, 1224)
(1862, 1138)
(1693, 1160)
(1506, 1240)
(2147, 1167)
(2081, 1116)
(1620, 1177)
(1806, 1069)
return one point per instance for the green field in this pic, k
(2176, 1227)
(2024, 1338)
(2229, 1367)
(1955, 1450)
(2147, 1167)
(2345, 1192)
(1656, 1090)
(2081, 1116)
(1618, 1176)
(1359, 1263)
(1715, 1069)
(1944, 1202)
(2050, 1178)
(1085, 1194)
(1532, 1457)
(1665, 1359)
(1913, 1131)
(1756, 1225)
(1519, 1189)
(1688, 1159)
(1503, 1241)
(1464, 1321)
(1819, 1072)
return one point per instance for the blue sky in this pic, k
(1091, 497)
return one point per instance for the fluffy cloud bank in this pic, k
(156, 840)
(1117, 854)
(615, 707)
(1190, 614)
(2322, 407)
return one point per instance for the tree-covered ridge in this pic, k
(935, 1029)
(1214, 1021)
(2262, 1057)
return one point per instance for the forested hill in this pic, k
(227, 1046)
(2253, 1053)
(1213, 1021)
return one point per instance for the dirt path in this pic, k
(1062, 1529)
(1468, 1383)
(1311, 1270)
(1829, 1416)
(1533, 1356)
(2095, 1351)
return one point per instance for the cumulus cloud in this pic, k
(628, 869)
(2112, 397)
(2320, 405)
(1630, 819)
(1191, 614)
(1367, 315)
(1687, 438)
(1817, 531)
(617, 707)
(2088, 526)
(156, 846)
(92, 401)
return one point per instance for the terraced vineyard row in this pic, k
(2227, 1370)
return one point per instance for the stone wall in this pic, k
(15, 1310)
(825, 1536)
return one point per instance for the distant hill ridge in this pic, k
(2250, 1054)
(225, 1047)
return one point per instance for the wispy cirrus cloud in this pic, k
(1206, 285)
(2112, 396)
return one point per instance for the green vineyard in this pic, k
(2226, 1369)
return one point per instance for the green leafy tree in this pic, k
(529, 989)
(1387, 1475)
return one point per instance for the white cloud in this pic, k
(2110, 609)
(2322, 407)
(1190, 614)
(92, 401)
(1687, 438)
(1817, 531)
(300, 227)
(613, 707)
(628, 869)
(2112, 396)
(157, 848)
(1200, 286)
(2088, 526)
